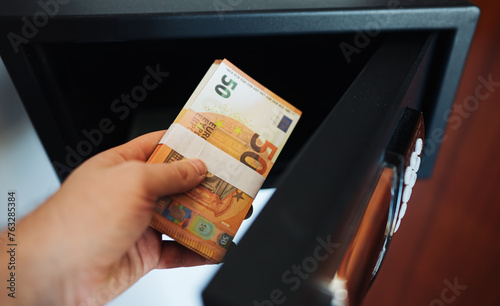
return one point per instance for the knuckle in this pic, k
(183, 171)
(135, 171)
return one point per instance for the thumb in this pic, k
(177, 177)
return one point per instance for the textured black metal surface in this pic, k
(100, 21)
(325, 191)
(96, 7)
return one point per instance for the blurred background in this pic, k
(446, 250)
(450, 232)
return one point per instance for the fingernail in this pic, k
(199, 165)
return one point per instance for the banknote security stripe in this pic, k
(218, 162)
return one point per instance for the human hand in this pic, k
(91, 240)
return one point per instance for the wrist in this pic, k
(36, 272)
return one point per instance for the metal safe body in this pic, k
(352, 67)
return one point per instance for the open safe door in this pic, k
(322, 236)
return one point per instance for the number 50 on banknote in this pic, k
(238, 128)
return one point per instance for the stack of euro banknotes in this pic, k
(238, 128)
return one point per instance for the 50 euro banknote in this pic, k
(238, 128)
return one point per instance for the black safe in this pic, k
(351, 67)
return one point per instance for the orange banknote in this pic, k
(238, 128)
